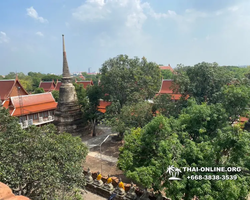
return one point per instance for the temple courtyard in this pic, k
(106, 161)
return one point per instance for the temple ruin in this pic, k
(68, 113)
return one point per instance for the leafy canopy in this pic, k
(123, 78)
(203, 81)
(39, 163)
(200, 137)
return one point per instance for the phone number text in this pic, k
(213, 177)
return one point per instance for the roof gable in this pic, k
(166, 87)
(166, 67)
(47, 85)
(6, 86)
(58, 85)
(11, 88)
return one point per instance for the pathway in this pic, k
(91, 196)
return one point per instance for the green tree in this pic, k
(90, 110)
(35, 163)
(89, 100)
(166, 106)
(36, 82)
(237, 72)
(167, 74)
(122, 77)
(235, 99)
(132, 116)
(202, 81)
(11, 75)
(50, 77)
(39, 90)
(55, 94)
(26, 83)
(200, 137)
(81, 95)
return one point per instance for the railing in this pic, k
(41, 121)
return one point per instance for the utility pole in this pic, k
(20, 103)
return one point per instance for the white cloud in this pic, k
(3, 37)
(130, 12)
(132, 25)
(39, 34)
(233, 9)
(33, 14)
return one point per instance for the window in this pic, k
(45, 114)
(35, 116)
(23, 118)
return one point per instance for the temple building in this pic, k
(47, 86)
(167, 88)
(68, 113)
(50, 86)
(10, 88)
(103, 105)
(85, 83)
(31, 109)
(166, 68)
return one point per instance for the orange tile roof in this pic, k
(6, 103)
(166, 67)
(102, 106)
(85, 83)
(33, 103)
(47, 85)
(166, 88)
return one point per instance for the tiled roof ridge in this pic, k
(32, 95)
(16, 81)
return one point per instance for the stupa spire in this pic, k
(66, 72)
(68, 115)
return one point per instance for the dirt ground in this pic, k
(109, 148)
(91, 196)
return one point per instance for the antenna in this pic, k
(20, 103)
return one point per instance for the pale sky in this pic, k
(164, 31)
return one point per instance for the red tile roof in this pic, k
(33, 103)
(102, 106)
(85, 83)
(58, 85)
(47, 85)
(7, 86)
(166, 88)
(166, 67)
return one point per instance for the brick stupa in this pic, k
(68, 113)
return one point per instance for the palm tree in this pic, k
(177, 171)
(171, 170)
